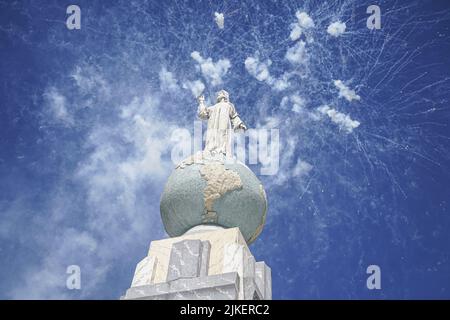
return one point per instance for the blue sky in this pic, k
(87, 116)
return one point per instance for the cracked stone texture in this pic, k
(187, 267)
(186, 259)
(145, 272)
(216, 287)
(161, 249)
(238, 258)
(204, 260)
(263, 279)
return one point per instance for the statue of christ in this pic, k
(222, 117)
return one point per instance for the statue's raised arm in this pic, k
(202, 110)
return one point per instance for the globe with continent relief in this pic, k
(208, 191)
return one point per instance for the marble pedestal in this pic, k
(206, 263)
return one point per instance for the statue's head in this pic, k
(222, 94)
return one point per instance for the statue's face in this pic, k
(221, 97)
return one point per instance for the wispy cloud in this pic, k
(260, 71)
(304, 21)
(167, 81)
(57, 108)
(126, 159)
(336, 28)
(297, 54)
(220, 19)
(342, 120)
(346, 92)
(212, 71)
(196, 87)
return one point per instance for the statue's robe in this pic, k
(222, 117)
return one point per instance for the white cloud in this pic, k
(297, 54)
(336, 28)
(212, 71)
(284, 101)
(49, 280)
(345, 91)
(220, 19)
(288, 148)
(167, 81)
(109, 170)
(196, 87)
(342, 120)
(304, 22)
(118, 180)
(301, 168)
(126, 156)
(269, 122)
(281, 83)
(56, 107)
(260, 71)
(298, 103)
(88, 79)
(295, 102)
(296, 32)
(286, 169)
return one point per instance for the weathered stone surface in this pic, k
(268, 285)
(248, 282)
(238, 258)
(219, 180)
(204, 260)
(217, 287)
(198, 266)
(263, 280)
(158, 291)
(185, 260)
(145, 272)
(217, 238)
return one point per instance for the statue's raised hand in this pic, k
(201, 98)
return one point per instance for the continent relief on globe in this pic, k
(219, 180)
(213, 191)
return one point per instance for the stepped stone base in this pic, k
(201, 265)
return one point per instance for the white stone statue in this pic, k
(222, 117)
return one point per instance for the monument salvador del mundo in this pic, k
(212, 207)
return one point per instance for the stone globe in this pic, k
(216, 192)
